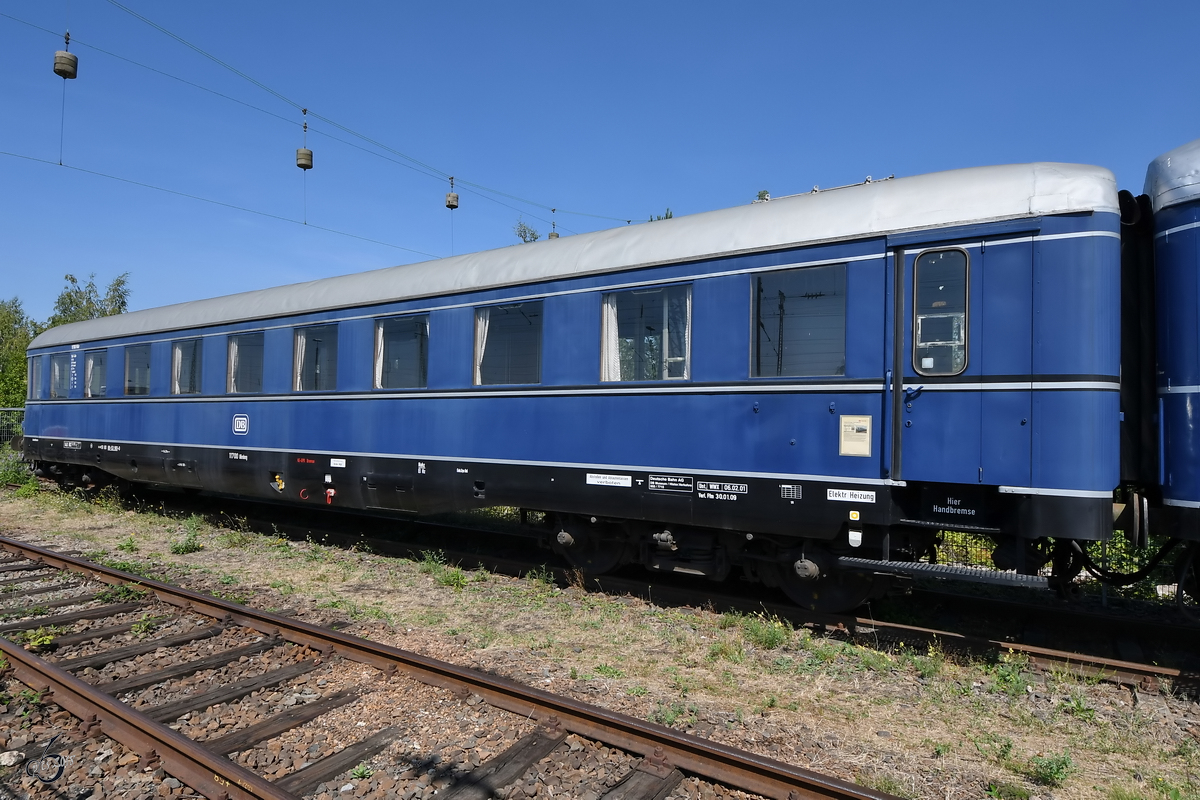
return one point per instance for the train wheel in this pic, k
(1187, 595)
(832, 593)
(595, 548)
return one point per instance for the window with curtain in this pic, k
(940, 316)
(185, 366)
(508, 344)
(800, 322)
(315, 365)
(245, 373)
(137, 369)
(60, 375)
(401, 353)
(645, 334)
(34, 385)
(95, 379)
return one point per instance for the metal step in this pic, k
(949, 526)
(953, 572)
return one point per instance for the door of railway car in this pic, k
(964, 349)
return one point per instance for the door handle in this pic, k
(912, 394)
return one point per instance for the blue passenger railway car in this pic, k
(807, 390)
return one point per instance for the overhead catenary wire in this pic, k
(215, 202)
(412, 164)
(436, 172)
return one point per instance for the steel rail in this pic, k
(714, 761)
(203, 770)
(1122, 672)
(1128, 673)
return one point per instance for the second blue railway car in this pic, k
(807, 389)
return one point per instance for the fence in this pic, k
(10, 425)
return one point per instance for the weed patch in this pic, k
(190, 543)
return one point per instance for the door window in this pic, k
(940, 316)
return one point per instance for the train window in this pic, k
(800, 322)
(316, 359)
(508, 344)
(645, 334)
(185, 366)
(60, 375)
(95, 377)
(35, 378)
(401, 353)
(940, 318)
(137, 369)
(245, 374)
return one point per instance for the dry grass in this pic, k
(912, 724)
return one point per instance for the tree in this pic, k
(16, 331)
(524, 232)
(77, 303)
(763, 197)
(667, 215)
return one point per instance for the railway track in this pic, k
(1126, 650)
(1134, 651)
(211, 698)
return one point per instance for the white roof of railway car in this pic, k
(1174, 177)
(940, 199)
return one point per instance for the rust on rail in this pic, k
(714, 761)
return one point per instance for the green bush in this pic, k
(188, 544)
(13, 469)
(1051, 770)
(766, 632)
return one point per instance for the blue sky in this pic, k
(617, 110)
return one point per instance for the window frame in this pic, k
(33, 378)
(65, 360)
(177, 365)
(89, 366)
(377, 364)
(966, 326)
(481, 341)
(298, 354)
(230, 368)
(606, 364)
(128, 350)
(754, 318)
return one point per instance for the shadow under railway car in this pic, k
(807, 389)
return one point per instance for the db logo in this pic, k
(241, 424)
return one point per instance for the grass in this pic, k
(433, 563)
(190, 543)
(1007, 791)
(1008, 673)
(38, 638)
(886, 784)
(670, 713)
(1052, 770)
(13, 469)
(662, 662)
(123, 593)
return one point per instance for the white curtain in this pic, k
(56, 377)
(299, 365)
(482, 317)
(378, 355)
(610, 343)
(687, 336)
(87, 376)
(231, 384)
(176, 366)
